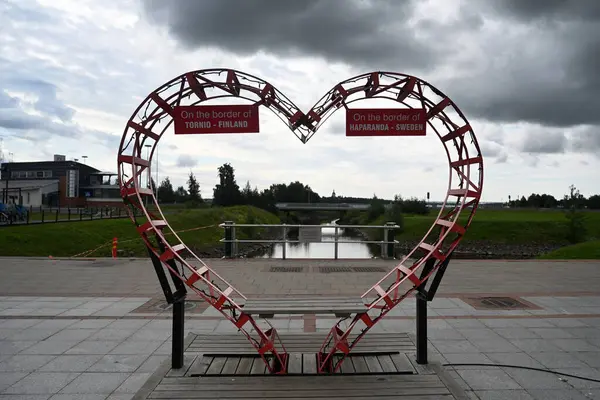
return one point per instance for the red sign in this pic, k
(190, 120)
(386, 122)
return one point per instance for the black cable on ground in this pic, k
(522, 367)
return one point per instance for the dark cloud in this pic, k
(541, 68)
(359, 32)
(587, 141)
(542, 142)
(552, 10)
(186, 161)
(48, 102)
(514, 61)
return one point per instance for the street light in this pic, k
(149, 170)
(84, 159)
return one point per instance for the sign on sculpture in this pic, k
(241, 118)
(386, 122)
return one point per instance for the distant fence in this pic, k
(11, 216)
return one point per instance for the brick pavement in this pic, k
(89, 330)
(136, 277)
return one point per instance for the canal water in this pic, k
(326, 248)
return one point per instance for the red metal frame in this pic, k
(152, 119)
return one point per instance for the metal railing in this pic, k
(231, 241)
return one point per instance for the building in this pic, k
(58, 183)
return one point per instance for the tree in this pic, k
(193, 190)
(166, 194)
(574, 202)
(227, 192)
(181, 195)
(593, 202)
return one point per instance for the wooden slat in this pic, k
(387, 364)
(230, 365)
(216, 366)
(316, 380)
(295, 363)
(373, 364)
(200, 365)
(258, 367)
(245, 365)
(347, 366)
(360, 365)
(266, 306)
(402, 363)
(309, 363)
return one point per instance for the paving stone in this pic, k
(521, 359)
(41, 383)
(133, 383)
(73, 334)
(517, 333)
(152, 363)
(454, 346)
(474, 333)
(518, 394)
(24, 396)
(92, 324)
(24, 363)
(465, 323)
(71, 363)
(137, 347)
(499, 345)
(533, 323)
(468, 358)
(589, 357)
(34, 334)
(124, 396)
(128, 324)
(499, 323)
(94, 347)
(488, 379)
(79, 397)
(448, 334)
(558, 360)
(536, 379)
(112, 334)
(558, 394)
(567, 322)
(574, 345)
(529, 345)
(591, 373)
(8, 379)
(118, 363)
(10, 347)
(584, 332)
(18, 323)
(95, 383)
(148, 334)
(50, 347)
(552, 333)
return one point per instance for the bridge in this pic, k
(321, 206)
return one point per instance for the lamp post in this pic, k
(84, 159)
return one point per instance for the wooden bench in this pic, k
(269, 307)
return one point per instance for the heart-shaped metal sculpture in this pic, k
(155, 115)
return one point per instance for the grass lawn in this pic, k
(69, 238)
(582, 251)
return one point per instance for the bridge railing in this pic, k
(308, 234)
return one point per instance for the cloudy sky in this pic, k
(524, 72)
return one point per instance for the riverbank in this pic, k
(496, 234)
(198, 228)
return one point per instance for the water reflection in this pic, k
(326, 248)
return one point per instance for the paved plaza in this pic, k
(97, 329)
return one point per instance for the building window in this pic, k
(22, 174)
(39, 174)
(47, 174)
(14, 174)
(30, 174)
(72, 183)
